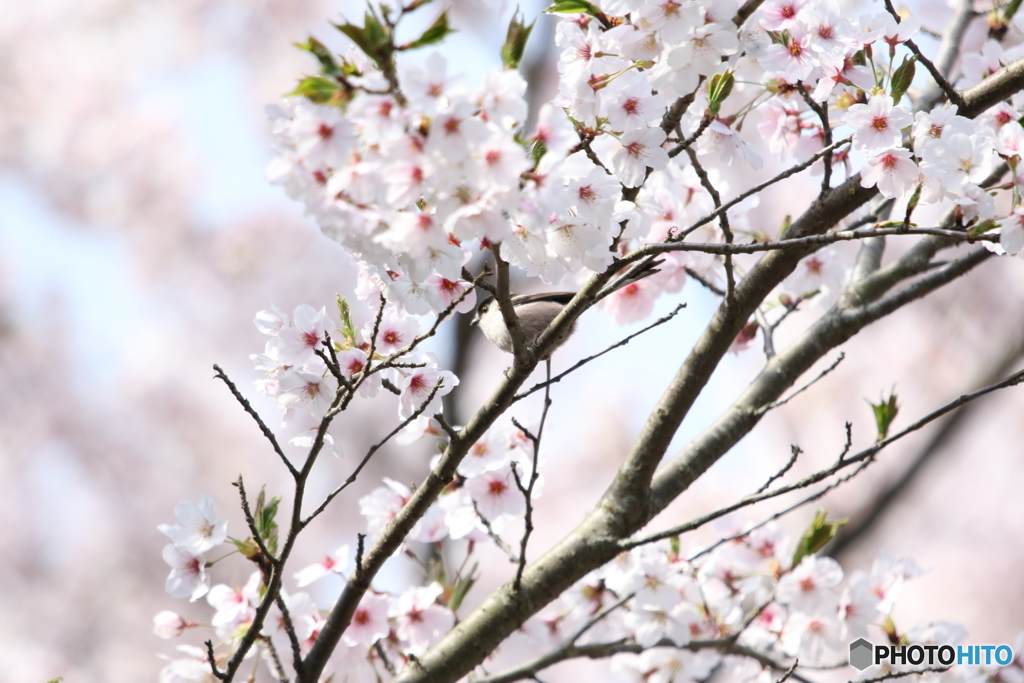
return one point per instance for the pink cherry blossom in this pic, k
(297, 343)
(420, 384)
(188, 577)
(167, 624)
(335, 563)
(396, 331)
(369, 622)
(496, 493)
(808, 587)
(640, 150)
(199, 528)
(420, 620)
(878, 123)
(893, 171)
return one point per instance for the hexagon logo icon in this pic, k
(860, 654)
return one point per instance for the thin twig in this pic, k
(527, 490)
(503, 297)
(800, 242)
(685, 144)
(826, 131)
(212, 661)
(723, 222)
(794, 454)
(293, 640)
(622, 342)
(498, 540)
(951, 94)
(777, 404)
(861, 457)
(793, 170)
(903, 674)
(282, 676)
(369, 454)
(259, 421)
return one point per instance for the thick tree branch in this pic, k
(628, 504)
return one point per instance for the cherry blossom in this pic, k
(188, 577)
(496, 494)
(369, 622)
(420, 385)
(335, 563)
(878, 123)
(638, 151)
(892, 171)
(808, 587)
(234, 604)
(420, 621)
(167, 624)
(199, 528)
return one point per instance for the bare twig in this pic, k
(794, 454)
(861, 457)
(826, 371)
(685, 144)
(793, 170)
(498, 540)
(503, 297)
(723, 222)
(369, 454)
(826, 131)
(951, 94)
(622, 342)
(293, 640)
(259, 421)
(527, 490)
(800, 242)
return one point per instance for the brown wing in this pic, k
(557, 297)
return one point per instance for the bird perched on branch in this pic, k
(537, 311)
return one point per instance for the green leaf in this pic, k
(885, 412)
(515, 41)
(572, 7)
(265, 516)
(461, 587)
(817, 535)
(902, 78)
(371, 38)
(328, 67)
(538, 151)
(719, 88)
(348, 330)
(787, 222)
(319, 89)
(983, 227)
(435, 34)
(1010, 10)
(247, 548)
(912, 203)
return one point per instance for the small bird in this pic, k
(537, 311)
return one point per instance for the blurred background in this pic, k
(138, 238)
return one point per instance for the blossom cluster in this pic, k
(411, 180)
(295, 375)
(410, 170)
(689, 614)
